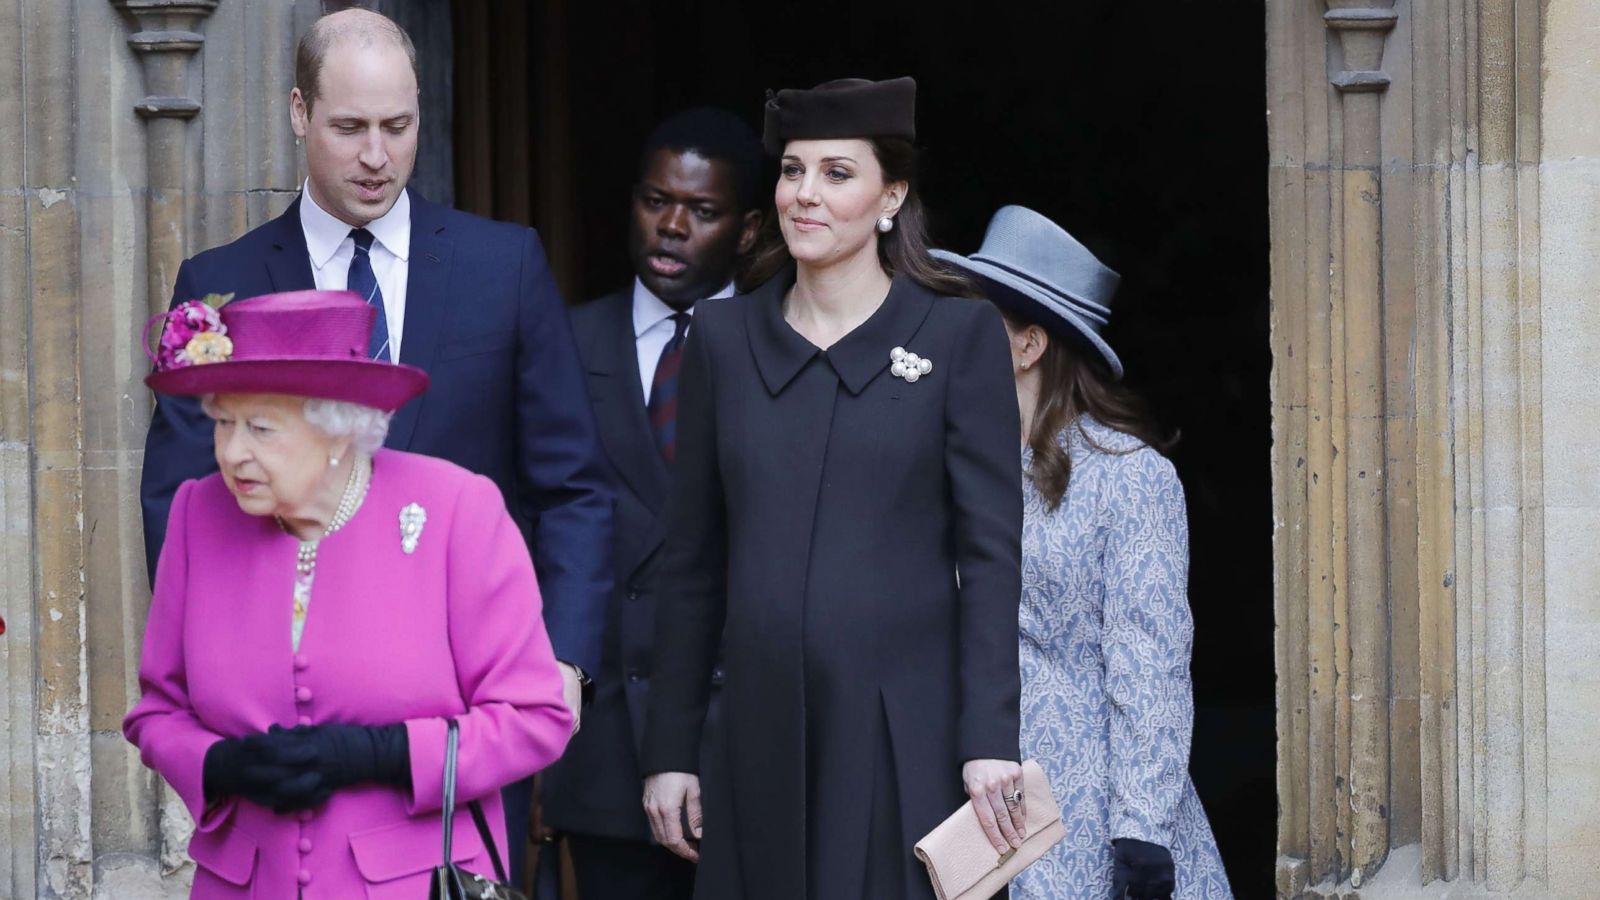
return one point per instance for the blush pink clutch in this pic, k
(962, 862)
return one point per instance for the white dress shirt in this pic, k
(653, 328)
(330, 246)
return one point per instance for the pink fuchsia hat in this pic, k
(302, 343)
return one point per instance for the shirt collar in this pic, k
(650, 310)
(324, 233)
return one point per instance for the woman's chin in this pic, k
(256, 504)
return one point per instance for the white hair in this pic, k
(365, 426)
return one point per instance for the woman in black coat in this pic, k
(846, 444)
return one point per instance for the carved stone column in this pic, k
(1361, 609)
(167, 38)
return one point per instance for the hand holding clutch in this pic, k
(963, 861)
(995, 788)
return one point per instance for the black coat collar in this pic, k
(781, 352)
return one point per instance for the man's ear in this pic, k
(750, 230)
(299, 113)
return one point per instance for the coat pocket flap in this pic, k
(225, 852)
(412, 846)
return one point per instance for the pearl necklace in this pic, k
(355, 490)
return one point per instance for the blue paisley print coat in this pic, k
(1106, 634)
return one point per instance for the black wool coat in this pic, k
(821, 510)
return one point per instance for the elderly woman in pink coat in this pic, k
(323, 609)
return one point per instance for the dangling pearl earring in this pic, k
(885, 224)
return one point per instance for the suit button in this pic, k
(304, 877)
(633, 595)
(305, 845)
(633, 676)
(303, 695)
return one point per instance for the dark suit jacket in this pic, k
(821, 510)
(595, 788)
(507, 401)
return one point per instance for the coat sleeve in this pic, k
(562, 486)
(177, 447)
(983, 462)
(163, 724)
(1148, 636)
(693, 576)
(516, 721)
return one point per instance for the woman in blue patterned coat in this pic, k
(1105, 627)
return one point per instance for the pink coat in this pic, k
(452, 629)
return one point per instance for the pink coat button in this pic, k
(304, 877)
(304, 720)
(305, 845)
(301, 663)
(303, 695)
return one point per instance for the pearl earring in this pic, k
(333, 462)
(885, 224)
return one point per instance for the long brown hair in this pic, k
(902, 251)
(1074, 381)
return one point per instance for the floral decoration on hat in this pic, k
(192, 334)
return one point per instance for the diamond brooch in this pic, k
(412, 519)
(908, 365)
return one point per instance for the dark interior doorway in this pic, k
(1139, 127)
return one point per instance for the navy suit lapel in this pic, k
(621, 414)
(427, 293)
(289, 263)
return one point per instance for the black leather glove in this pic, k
(1141, 870)
(343, 755)
(248, 768)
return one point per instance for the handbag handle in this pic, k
(452, 741)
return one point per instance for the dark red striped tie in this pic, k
(663, 406)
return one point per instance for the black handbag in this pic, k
(450, 881)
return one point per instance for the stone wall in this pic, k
(1433, 205)
(137, 132)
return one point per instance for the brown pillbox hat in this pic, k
(844, 108)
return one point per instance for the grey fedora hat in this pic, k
(1036, 258)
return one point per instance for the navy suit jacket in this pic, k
(507, 401)
(595, 788)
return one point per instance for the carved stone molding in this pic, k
(168, 38)
(166, 41)
(1361, 31)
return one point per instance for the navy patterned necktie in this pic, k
(663, 406)
(364, 282)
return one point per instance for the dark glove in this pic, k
(1141, 870)
(343, 755)
(248, 768)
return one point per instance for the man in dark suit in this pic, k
(695, 211)
(469, 300)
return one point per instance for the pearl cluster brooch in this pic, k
(908, 365)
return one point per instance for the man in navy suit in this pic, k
(695, 211)
(469, 300)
